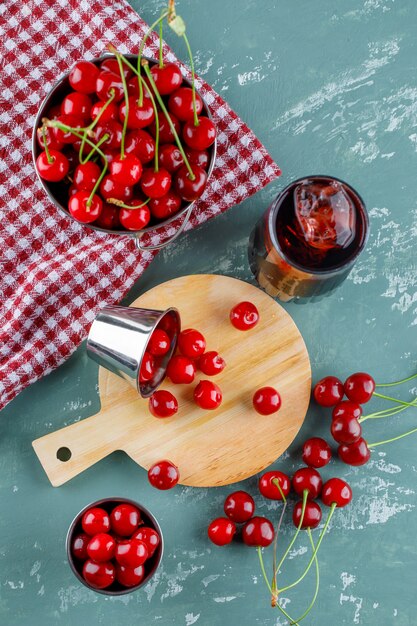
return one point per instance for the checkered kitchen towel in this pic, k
(54, 273)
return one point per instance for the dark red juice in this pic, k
(309, 238)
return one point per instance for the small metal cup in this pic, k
(119, 337)
(108, 505)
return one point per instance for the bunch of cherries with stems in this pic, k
(117, 121)
(258, 531)
(347, 415)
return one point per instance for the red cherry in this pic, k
(112, 65)
(346, 408)
(54, 112)
(108, 83)
(198, 157)
(114, 131)
(211, 363)
(163, 475)
(111, 112)
(357, 453)
(147, 368)
(126, 171)
(86, 175)
(155, 184)
(359, 387)
(328, 391)
(336, 491)
(95, 520)
(268, 488)
(85, 150)
(134, 219)
(221, 531)
(165, 133)
(244, 316)
(51, 141)
(149, 537)
(164, 207)
(109, 188)
(139, 116)
(79, 546)
(266, 401)
(180, 103)
(170, 157)
(239, 506)
(66, 136)
(131, 553)
(191, 343)
(307, 479)
(187, 188)
(83, 77)
(78, 104)
(141, 144)
(128, 576)
(199, 137)
(311, 517)
(163, 404)
(181, 370)
(159, 343)
(167, 78)
(55, 171)
(101, 547)
(258, 531)
(109, 217)
(316, 452)
(99, 575)
(207, 395)
(345, 429)
(125, 519)
(77, 206)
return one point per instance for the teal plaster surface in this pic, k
(330, 88)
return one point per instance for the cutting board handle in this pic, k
(71, 450)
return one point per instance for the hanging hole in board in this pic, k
(63, 454)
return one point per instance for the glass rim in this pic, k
(349, 262)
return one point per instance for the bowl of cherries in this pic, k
(114, 546)
(125, 147)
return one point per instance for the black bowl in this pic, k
(151, 565)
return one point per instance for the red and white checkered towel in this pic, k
(54, 273)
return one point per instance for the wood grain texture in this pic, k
(211, 448)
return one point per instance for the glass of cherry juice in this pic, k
(308, 240)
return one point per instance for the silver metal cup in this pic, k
(119, 337)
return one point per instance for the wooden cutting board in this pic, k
(210, 448)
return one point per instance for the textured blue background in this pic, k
(329, 87)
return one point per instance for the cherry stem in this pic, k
(141, 48)
(380, 443)
(398, 382)
(381, 395)
(261, 562)
(290, 545)
(190, 55)
(274, 598)
(310, 563)
(97, 145)
(316, 591)
(385, 413)
(122, 205)
(165, 112)
(73, 131)
(155, 110)
(161, 55)
(126, 95)
(56, 124)
(48, 154)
